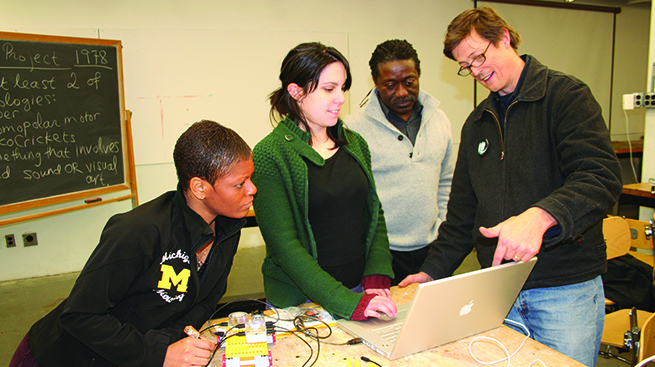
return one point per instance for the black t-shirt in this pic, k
(337, 198)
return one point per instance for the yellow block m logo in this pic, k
(169, 277)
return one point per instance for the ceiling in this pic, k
(613, 3)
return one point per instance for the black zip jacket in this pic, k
(139, 288)
(552, 151)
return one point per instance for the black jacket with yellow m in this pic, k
(139, 288)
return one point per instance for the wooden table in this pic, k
(622, 148)
(638, 194)
(290, 351)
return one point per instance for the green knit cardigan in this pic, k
(291, 272)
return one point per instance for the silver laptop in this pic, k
(445, 310)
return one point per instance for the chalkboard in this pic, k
(62, 120)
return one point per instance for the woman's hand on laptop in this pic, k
(381, 304)
(420, 277)
(384, 292)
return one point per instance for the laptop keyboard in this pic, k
(390, 332)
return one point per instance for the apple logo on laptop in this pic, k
(466, 309)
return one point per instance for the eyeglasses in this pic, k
(477, 62)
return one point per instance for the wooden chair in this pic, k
(641, 234)
(617, 238)
(647, 339)
(623, 327)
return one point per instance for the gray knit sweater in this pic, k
(413, 181)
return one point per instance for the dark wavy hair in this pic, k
(303, 66)
(208, 150)
(486, 21)
(392, 50)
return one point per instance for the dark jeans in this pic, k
(23, 356)
(407, 262)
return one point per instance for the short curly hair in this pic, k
(208, 150)
(393, 50)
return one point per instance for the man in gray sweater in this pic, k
(411, 152)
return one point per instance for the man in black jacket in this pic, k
(535, 175)
(158, 268)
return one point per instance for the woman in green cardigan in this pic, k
(316, 206)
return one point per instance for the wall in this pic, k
(648, 170)
(630, 73)
(184, 61)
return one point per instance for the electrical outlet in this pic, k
(10, 240)
(638, 100)
(628, 102)
(29, 239)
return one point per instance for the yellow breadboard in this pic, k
(236, 347)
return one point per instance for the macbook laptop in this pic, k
(445, 310)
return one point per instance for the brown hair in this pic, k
(303, 66)
(489, 24)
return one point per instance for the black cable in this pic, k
(293, 332)
(300, 326)
(366, 359)
(311, 349)
(211, 317)
(271, 325)
(318, 343)
(222, 338)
